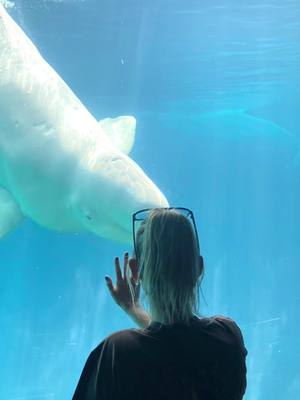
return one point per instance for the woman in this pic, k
(175, 354)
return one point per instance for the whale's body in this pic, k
(58, 165)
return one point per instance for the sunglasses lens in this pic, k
(142, 215)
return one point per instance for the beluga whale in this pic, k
(59, 166)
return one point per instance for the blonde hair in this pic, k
(168, 257)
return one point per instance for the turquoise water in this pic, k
(215, 91)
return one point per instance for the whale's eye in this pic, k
(88, 217)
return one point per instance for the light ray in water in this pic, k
(264, 321)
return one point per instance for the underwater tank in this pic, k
(208, 95)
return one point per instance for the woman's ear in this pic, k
(133, 265)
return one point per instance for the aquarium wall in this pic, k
(214, 89)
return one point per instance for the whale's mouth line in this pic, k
(120, 232)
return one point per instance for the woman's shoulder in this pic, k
(120, 339)
(213, 323)
(122, 336)
(218, 327)
(219, 320)
(222, 327)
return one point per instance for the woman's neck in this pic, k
(157, 316)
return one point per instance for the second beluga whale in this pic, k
(59, 166)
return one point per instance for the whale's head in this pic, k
(109, 192)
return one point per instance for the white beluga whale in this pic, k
(59, 166)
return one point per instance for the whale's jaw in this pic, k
(126, 191)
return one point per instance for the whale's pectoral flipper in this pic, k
(121, 131)
(10, 213)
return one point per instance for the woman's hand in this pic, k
(126, 292)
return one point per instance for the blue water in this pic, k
(214, 87)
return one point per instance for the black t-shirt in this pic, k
(202, 360)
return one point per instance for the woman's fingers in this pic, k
(118, 270)
(125, 265)
(111, 288)
(109, 284)
(134, 268)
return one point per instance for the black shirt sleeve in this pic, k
(97, 378)
(238, 364)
